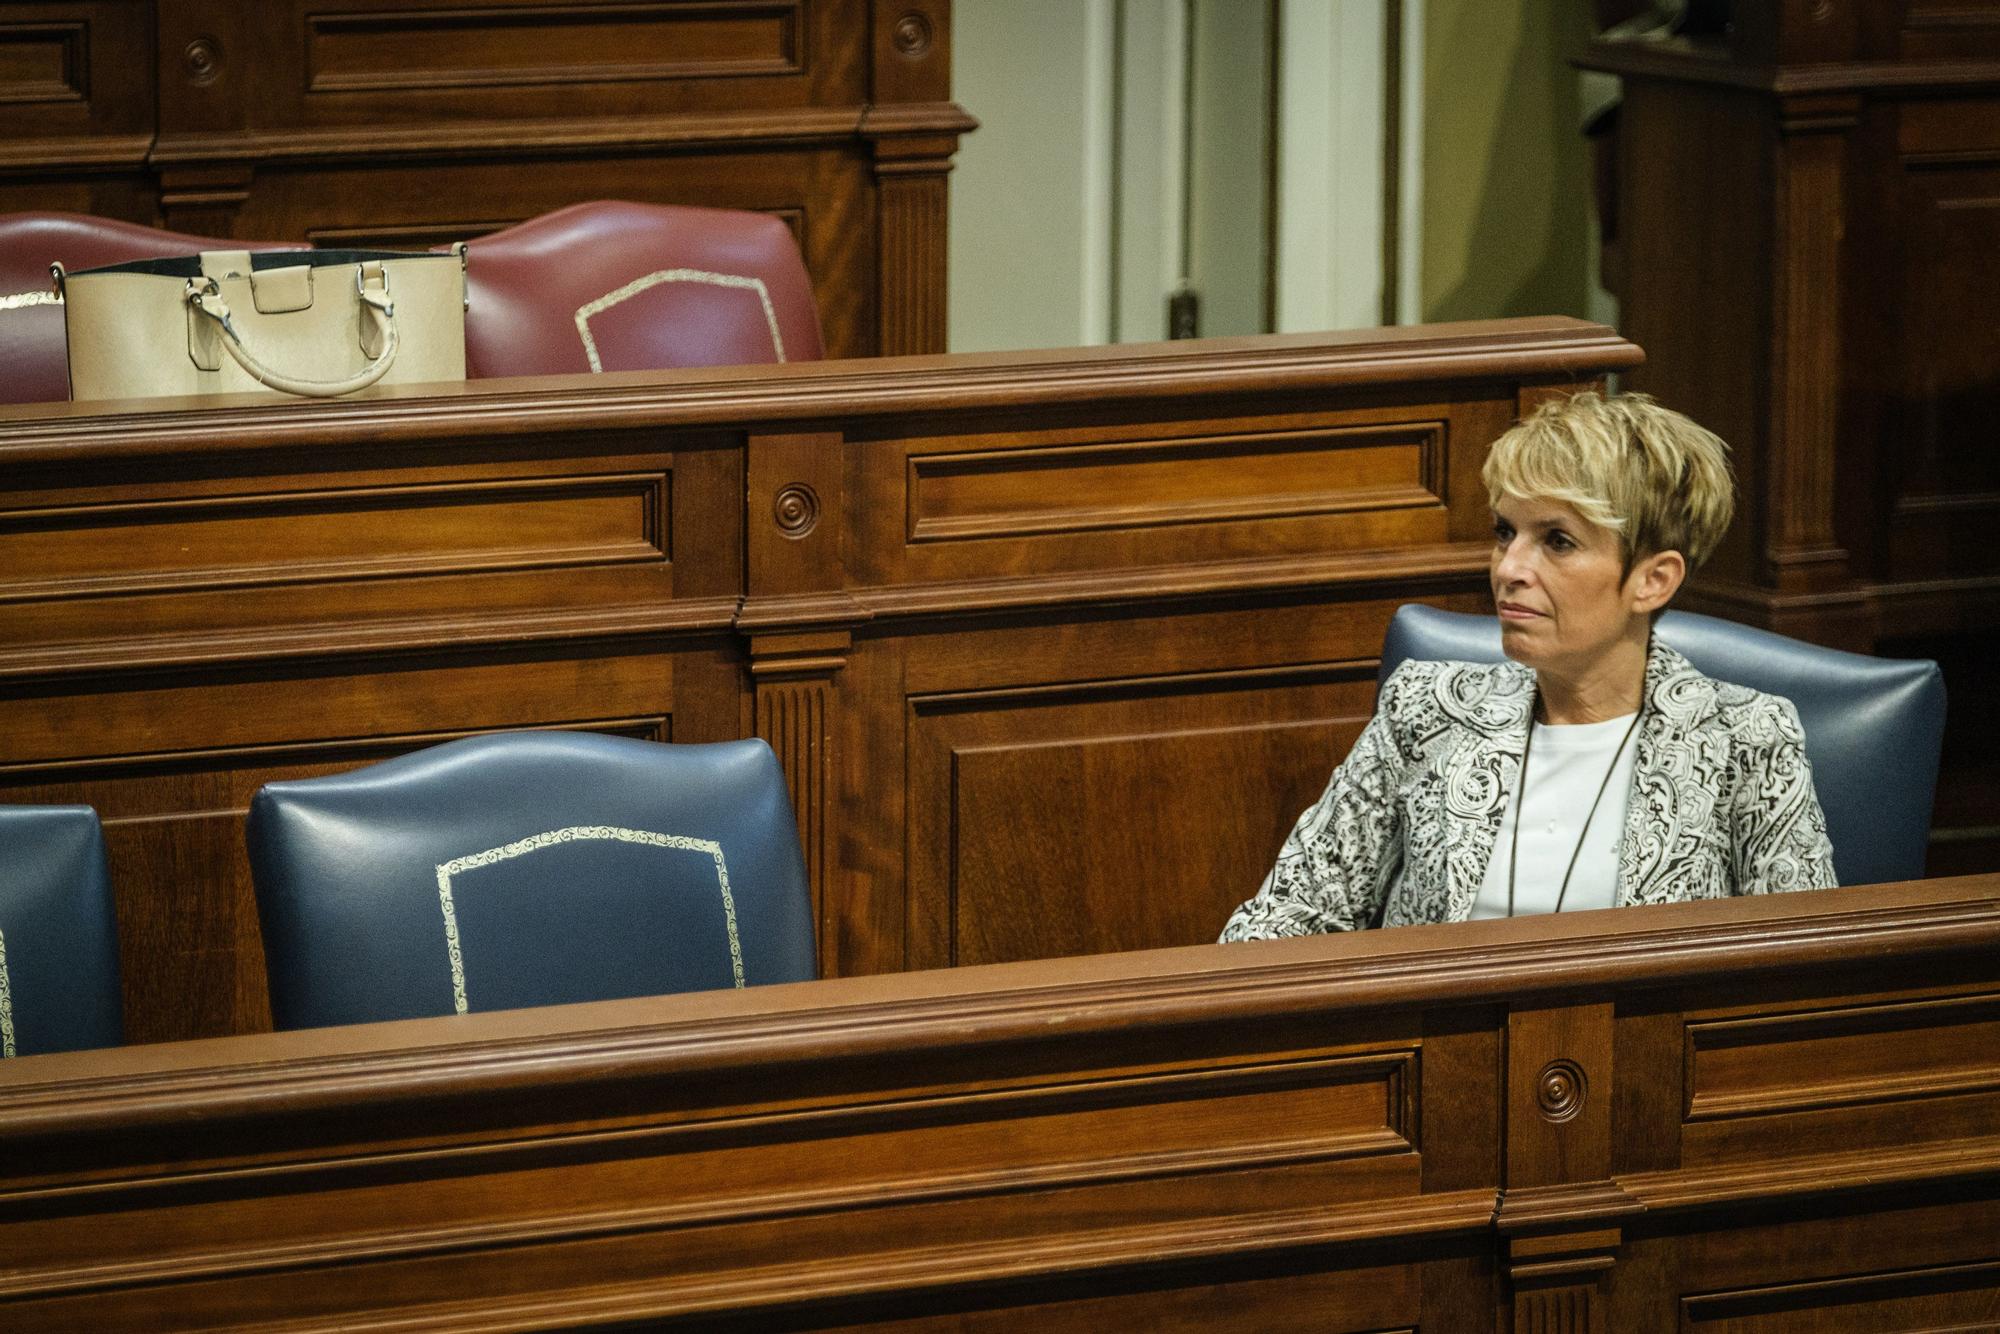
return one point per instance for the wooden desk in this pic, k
(1015, 624)
(1752, 1115)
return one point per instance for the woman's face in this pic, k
(1559, 585)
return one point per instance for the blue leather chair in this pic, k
(58, 933)
(527, 868)
(1873, 726)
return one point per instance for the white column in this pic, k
(1152, 164)
(1029, 254)
(1335, 164)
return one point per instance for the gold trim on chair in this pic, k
(6, 1004)
(638, 285)
(19, 300)
(535, 843)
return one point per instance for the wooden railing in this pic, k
(1761, 1114)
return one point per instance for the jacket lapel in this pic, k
(1667, 804)
(1480, 776)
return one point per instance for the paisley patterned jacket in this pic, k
(1722, 802)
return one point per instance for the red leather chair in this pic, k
(34, 361)
(601, 286)
(615, 286)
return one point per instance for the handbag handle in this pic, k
(205, 296)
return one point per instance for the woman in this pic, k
(1595, 768)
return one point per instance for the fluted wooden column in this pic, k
(914, 128)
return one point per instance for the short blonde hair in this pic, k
(1649, 474)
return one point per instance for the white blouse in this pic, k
(1566, 766)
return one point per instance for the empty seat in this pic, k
(528, 868)
(617, 287)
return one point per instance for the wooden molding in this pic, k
(531, 138)
(68, 156)
(117, 655)
(771, 396)
(487, 1054)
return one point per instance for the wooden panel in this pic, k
(1559, 1078)
(1801, 1268)
(1946, 495)
(1884, 1053)
(1018, 492)
(1093, 495)
(1258, 1296)
(1949, 30)
(1113, 815)
(76, 103)
(414, 48)
(910, 299)
(851, 1156)
(1958, 1297)
(361, 533)
(44, 62)
(1869, 1079)
(414, 63)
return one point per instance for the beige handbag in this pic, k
(315, 322)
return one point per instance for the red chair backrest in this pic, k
(637, 287)
(34, 362)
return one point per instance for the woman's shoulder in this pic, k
(1756, 717)
(1481, 693)
(1748, 715)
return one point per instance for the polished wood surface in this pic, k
(412, 123)
(1053, 647)
(1766, 1114)
(1810, 238)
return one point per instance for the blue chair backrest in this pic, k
(528, 868)
(58, 933)
(1874, 726)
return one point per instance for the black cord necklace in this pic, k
(1521, 796)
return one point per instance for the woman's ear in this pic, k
(1654, 581)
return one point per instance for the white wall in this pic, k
(1229, 164)
(1151, 165)
(1129, 146)
(1030, 193)
(1335, 164)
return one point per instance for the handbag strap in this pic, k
(205, 296)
